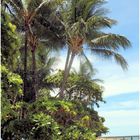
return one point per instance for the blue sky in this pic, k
(121, 114)
(121, 93)
(121, 87)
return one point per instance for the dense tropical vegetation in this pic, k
(38, 101)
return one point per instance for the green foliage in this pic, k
(48, 117)
(55, 79)
(67, 114)
(11, 90)
(11, 81)
(9, 42)
(76, 132)
(45, 127)
(55, 119)
(78, 87)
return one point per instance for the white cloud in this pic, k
(120, 86)
(117, 81)
(121, 122)
(128, 104)
(123, 117)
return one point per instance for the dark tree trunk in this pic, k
(25, 68)
(33, 75)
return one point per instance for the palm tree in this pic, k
(83, 21)
(34, 36)
(25, 17)
(26, 12)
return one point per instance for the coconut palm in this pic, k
(83, 21)
(23, 14)
(26, 12)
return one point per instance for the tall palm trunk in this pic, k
(66, 73)
(33, 75)
(25, 67)
(25, 96)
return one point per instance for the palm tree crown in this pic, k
(83, 22)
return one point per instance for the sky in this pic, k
(120, 87)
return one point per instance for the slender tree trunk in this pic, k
(25, 96)
(71, 62)
(66, 64)
(33, 75)
(66, 75)
(25, 67)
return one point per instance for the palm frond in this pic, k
(47, 68)
(91, 7)
(100, 12)
(107, 54)
(16, 6)
(25, 3)
(51, 61)
(87, 63)
(86, 68)
(55, 3)
(120, 60)
(111, 41)
(37, 9)
(97, 22)
(97, 80)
